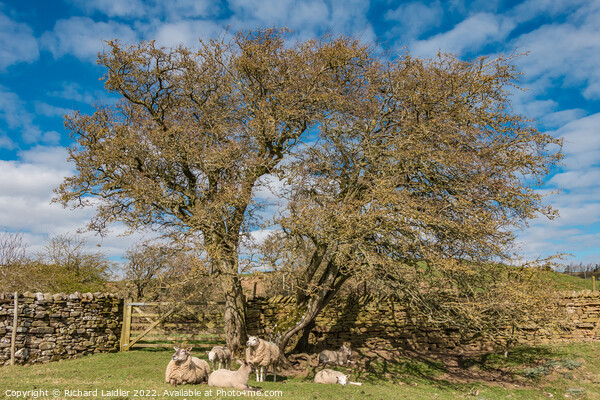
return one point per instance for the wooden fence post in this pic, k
(13, 338)
(593, 283)
(126, 328)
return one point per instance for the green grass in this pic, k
(568, 282)
(572, 370)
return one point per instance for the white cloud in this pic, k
(471, 34)
(49, 110)
(183, 32)
(560, 118)
(12, 110)
(113, 8)
(25, 202)
(569, 51)
(531, 9)
(581, 142)
(415, 18)
(75, 92)
(17, 118)
(6, 142)
(587, 179)
(307, 19)
(180, 9)
(84, 38)
(17, 43)
(152, 9)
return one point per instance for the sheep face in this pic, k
(212, 357)
(252, 341)
(342, 380)
(181, 354)
(346, 350)
(247, 364)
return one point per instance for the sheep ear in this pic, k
(240, 362)
(188, 349)
(175, 348)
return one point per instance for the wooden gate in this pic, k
(195, 324)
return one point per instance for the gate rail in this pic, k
(165, 324)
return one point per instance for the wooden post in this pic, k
(254, 291)
(593, 283)
(126, 328)
(13, 338)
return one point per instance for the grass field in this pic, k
(566, 371)
(568, 282)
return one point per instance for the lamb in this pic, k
(331, 376)
(339, 357)
(235, 379)
(262, 354)
(221, 354)
(184, 369)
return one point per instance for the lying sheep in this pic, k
(235, 379)
(184, 369)
(262, 354)
(331, 376)
(339, 357)
(221, 354)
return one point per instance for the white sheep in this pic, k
(262, 354)
(184, 369)
(331, 376)
(235, 379)
(339, 357)
(221, 354)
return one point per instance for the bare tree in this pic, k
(145, 262)
(12, 260)
(423, 172)
(193, 133)
(69, 266)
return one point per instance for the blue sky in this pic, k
(48, 68)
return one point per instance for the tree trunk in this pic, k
(330, 282)
(302, 346)
(235, 315)
(313, 309)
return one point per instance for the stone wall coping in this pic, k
(39, 296)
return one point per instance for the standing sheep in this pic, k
(184, 369)
(235, 379)
(221, 354)
(339, 357)
(262, 354)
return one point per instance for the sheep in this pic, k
(235, 379)
(262, 354)
(339, 357)
(221, 354)
(331, 376)
(184, 369)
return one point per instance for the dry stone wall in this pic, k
(51, 327)
(373, 323)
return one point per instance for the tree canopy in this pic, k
(391, 164)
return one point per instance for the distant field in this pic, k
(568, 282)
(566, 371)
